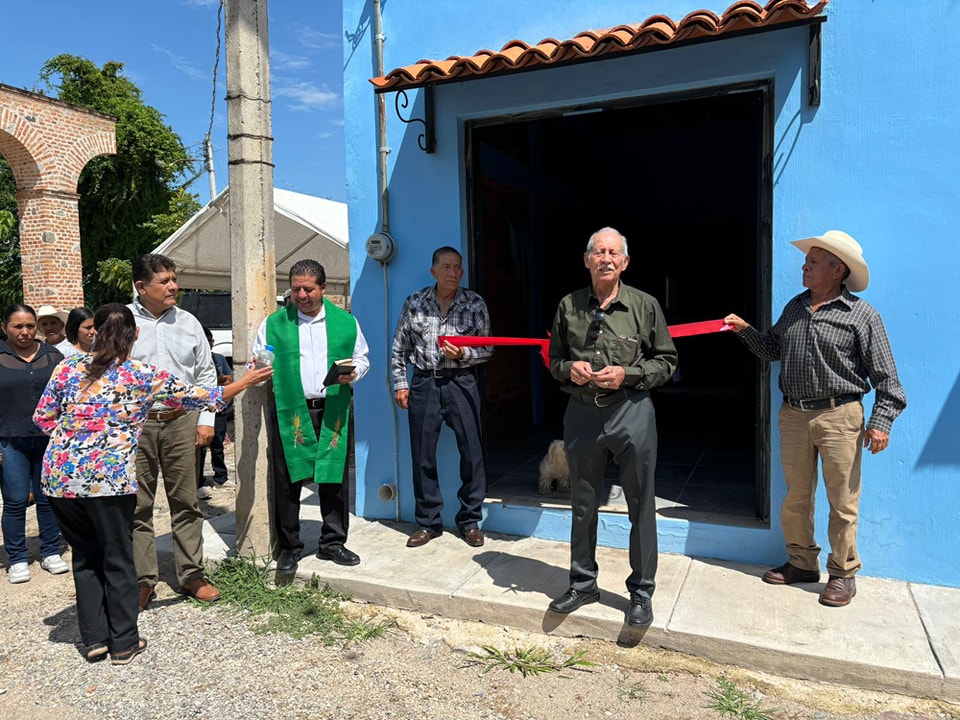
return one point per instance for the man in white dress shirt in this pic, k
(170, 339)
(308, 336)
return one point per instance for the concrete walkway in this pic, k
(894, 636)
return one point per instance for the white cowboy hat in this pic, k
(845, 248)
(51, 311)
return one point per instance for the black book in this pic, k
(340, 367)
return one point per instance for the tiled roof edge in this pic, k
(654, 32)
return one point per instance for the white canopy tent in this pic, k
(305, 227)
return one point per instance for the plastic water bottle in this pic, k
(264, 358)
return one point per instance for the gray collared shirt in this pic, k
(175, 342)
(841, 349)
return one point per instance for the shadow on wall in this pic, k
(942, 448)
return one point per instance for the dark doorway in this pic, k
(686, 179)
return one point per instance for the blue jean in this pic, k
(22, 460)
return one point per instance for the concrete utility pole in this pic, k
(252, 253)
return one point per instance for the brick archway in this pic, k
(47, 143)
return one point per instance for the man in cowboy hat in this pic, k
(832, 346)
(52, 323)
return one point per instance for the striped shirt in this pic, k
(840, 349)
(420, 324)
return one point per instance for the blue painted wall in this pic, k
(880, 159)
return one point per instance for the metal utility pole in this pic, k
(252, 253)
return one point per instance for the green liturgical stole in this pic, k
(323, 458)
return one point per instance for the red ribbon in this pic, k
(685, 330)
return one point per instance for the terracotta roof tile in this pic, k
(658, 30)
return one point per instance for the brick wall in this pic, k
(48, 143)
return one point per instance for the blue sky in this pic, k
(168, 48)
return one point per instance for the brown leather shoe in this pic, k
(788, 574)
(839, 591)
(473, 537)
(421, 537)
(146, 593)
(200, 589)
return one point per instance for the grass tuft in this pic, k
(730, 701)
(527, 660)
(312, 609)
(635, 691)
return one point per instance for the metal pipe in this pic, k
(382, 153)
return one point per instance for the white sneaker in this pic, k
(18, 573)
(54, 565)
(204, 492)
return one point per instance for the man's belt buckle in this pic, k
(602, 396)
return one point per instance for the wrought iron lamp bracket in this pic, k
(427, 140)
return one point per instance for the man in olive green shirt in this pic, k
(609, 346)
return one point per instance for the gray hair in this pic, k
(623, 240)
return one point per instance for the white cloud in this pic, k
(182, 64)
(280, 60)
(316, 40)
(338, 123)
(202, 3)
(306, 95)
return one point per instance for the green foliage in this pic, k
(182, 207)
(129, 201)
(636, 692)
(116, 278)
(730, 701)
(11, 278)
(526, 660)
(8, 222)
(297, 611)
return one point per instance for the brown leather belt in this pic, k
(165, 415)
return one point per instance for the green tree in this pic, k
(131, 201)
(11, 279)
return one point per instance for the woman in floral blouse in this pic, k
(94, 408)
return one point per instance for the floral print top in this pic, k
(95, 428)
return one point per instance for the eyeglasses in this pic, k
(596, 327)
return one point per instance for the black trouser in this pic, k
(455, 401)
(100, 531)
(627, 429)
(334, 497)
(217, 461)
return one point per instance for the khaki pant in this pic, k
(836, 437)
(171, 448)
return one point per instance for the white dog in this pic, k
(554, 473)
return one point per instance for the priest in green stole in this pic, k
(308, 421)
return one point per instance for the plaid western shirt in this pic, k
(420, 324)
(840, 349)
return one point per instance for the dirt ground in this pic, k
(207, 663)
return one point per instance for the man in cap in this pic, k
(832, 346)
(52, 323)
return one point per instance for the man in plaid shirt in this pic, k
(833, 347)
(443, 389)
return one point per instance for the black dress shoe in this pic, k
(287, 561)
(340, 555)
(572, 599)
(640, 613)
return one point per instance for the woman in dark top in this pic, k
(25, 367)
